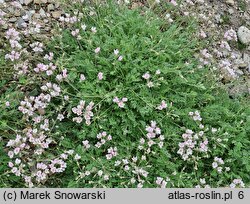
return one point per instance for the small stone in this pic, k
(248, 82)
(4, 26)
(17, 13)
(57, 4)
(27, 2)
(50, 7)
(12, 20)
(230, 2)
(40, 1)
(239, 72)
(238, 90)
(242, 65)
(37, 16)
(20, 23)
(230, 11)
(246, 58)
(244, 35)
(56, 14)
(11, 9)
(42, 13)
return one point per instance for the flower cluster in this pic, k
(161, 182)
(162, 106)
(131, 166)
(32, 104)
(103, 137)
(190, 144)
(218, 164)
(154, 137)
(150, 83)
(13, 36)
(80, 112)
(226, 66)
(120, 102)
(57, 166)
(116, 53)
(62, 76)
(49, 69)
(230, 35)
(21, 68)
(37, 47)
(86, 144)
(205, 57)
(69, 19)
(112, 152)
(202, 184)
(195, 115)
(53, 89)
(237, 183)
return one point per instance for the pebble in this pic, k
(230, 2)
(42, 13)
(238, 90)
(230, 11)
(246, 58)
(27, 2)
(12, 20)
(40, 1)
(56, 14)
(244, 35)
(50, 7)
(20, 23)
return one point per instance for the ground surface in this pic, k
(125, 94)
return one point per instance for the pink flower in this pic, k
(231, 35)
(64, 73)
(121, 104)
(173, 2)
(82, 77)
(100, 75)
(116, 100)
(75, 32)
(146, 75)
(97, 50)
(120, 58)
(7, 104)
(162, 106)
(124, 99)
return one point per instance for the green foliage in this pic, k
(147, 44)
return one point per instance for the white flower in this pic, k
(214, 165)
(60, 117)
(106, 177)
(116, 51)
(132, 180)
(77, 157)
(203, 181)
(83, 27)
(100, 172)
(93, 29)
